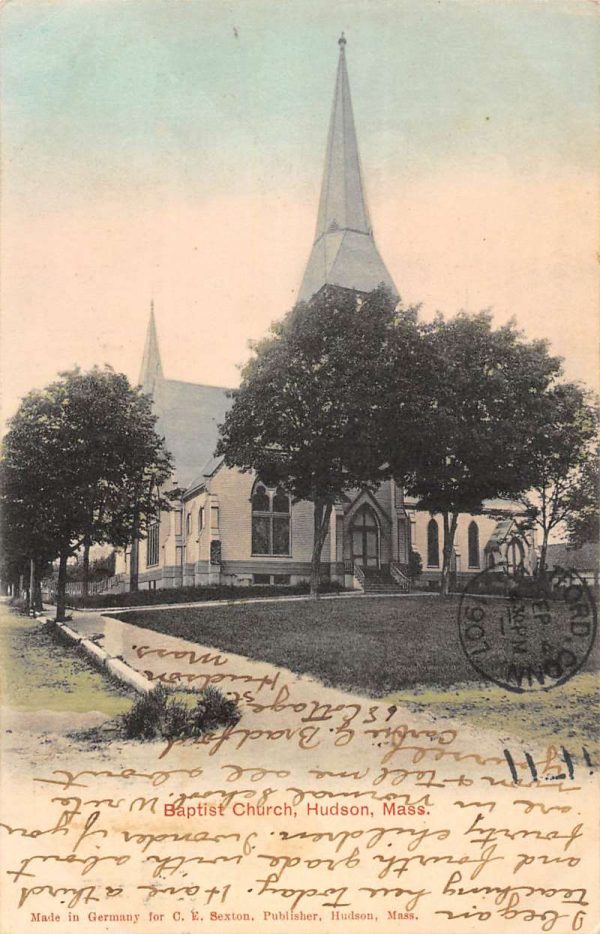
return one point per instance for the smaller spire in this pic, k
(342, 41)
(151, 364)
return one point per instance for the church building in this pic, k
(229, 527)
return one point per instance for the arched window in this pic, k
(270, 521)
(433, 544)
(473, 545)
(260, 499)
(200, 519)
(152, 544)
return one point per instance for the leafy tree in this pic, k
(98, 568)
(17, 550)
(564, 461)
(583, 518)
(459, 434)
(308, 413)
(82, 464)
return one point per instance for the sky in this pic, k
(173, 151)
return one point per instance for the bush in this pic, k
(158, 715)
(146, 717)
(196, 594)
(415, 565)
(213, 710)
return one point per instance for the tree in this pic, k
(98, 568)
(82, 464)
(583, 518)
(460, 434)
(307, 416)
(18, 548)
(564, 461)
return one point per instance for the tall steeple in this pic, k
(344, 251)
(151, 366)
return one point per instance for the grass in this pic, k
(372, 646)
(39, 673)
(405, 650)
(565, 716)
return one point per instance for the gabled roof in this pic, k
(209, 469)
(585, 558)
(344, 251)
(188, 416)
(499, 535)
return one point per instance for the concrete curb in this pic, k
(112, 664)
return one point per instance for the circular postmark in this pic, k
(524, 634)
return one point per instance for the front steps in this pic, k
(380, 580)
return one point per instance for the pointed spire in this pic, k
(151, 366)
(344, 251)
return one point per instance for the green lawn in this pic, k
(372, 645)
(39, 673)
(567, 715)
(406, 650)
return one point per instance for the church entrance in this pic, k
(364, 535)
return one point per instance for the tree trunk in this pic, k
(40, 567)
(322, 515)
(37, 600)
(85, 581)
(134, 558)
(61, 587)
(31, 591)
(450, 523)
(542, 569)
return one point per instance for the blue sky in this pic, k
(145, 112)
(105, 93)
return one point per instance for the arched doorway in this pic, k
(364, 536)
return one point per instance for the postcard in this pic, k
(299, 469)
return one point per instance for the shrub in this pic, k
(159, 715)
(415, 565)
(146, 717)
(213, 710)
(196, 594)
(176, 720)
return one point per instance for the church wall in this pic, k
(185, 548)
(234, 490)
(419, 524)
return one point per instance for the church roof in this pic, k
(344, 251)
(210, 468)
(500, 534)
(188, 413)
(151, 363)
(188, 416)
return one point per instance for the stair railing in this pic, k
(359, 575)
(400, 577)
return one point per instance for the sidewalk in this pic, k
(282, 691)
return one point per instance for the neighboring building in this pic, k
(585, 560)
(229, 527)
